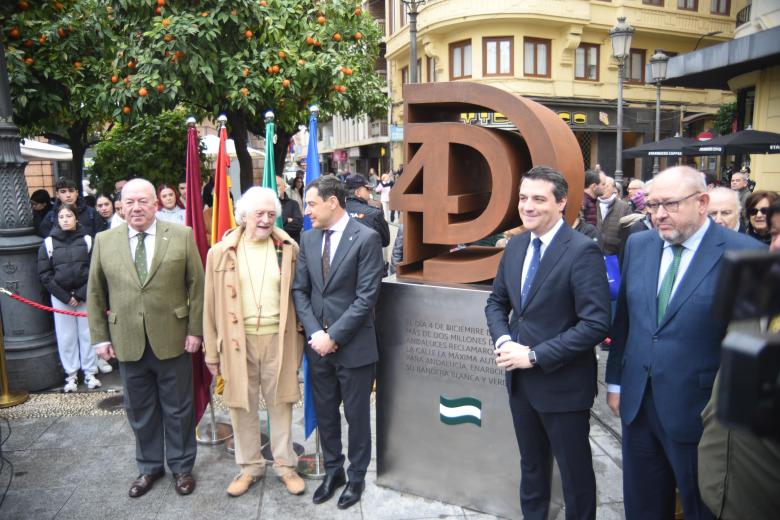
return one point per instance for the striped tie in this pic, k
(665, 294)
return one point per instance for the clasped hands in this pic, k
(511, 355)
(322, 343)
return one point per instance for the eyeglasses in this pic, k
(671, 206)
(755, 211)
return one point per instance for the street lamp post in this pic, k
(412, 7)
(621, 48)
(658, 63)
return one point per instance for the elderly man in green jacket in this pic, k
(145, 305)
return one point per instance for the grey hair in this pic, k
(250, 200)
(728, 193)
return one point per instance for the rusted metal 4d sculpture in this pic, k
(460, 182)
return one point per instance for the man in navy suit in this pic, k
(665, 347)
(337, 281)
(554, 282)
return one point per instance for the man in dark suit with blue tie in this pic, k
(554, 282)
(337, 280)
(665, 347)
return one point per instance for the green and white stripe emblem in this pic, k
(461, 410)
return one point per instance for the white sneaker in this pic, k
(71, 384)
(104, 366)
(92, 382)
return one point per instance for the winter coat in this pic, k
(65, 274)
(176, 215)
(291, 210)
(223, 323)
(369, 216)
(88, 218)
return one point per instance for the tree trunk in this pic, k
(77, 140)
(280, 149)
(240, 136)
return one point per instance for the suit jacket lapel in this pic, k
(553, 253)
(315, 265)
(514, 275)
(122, 243)
(707, 255)
(652, 261)
(345, 244)
(160, 247)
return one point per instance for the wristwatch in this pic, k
(532, 357)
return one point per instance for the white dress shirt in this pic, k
(529, 253)
(335, 237)
(148, 243)
(690, 247)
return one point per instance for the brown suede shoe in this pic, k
(241, 484)
(143, 484)
(294, 483)
(184, 483)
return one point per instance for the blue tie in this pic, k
(532, 268)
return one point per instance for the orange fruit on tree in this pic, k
(14, 33)
(58, 6)
(168, 38)
(114, 79)
(126, 109)
(178, 55)
(337, 37)
(301, 62)
(77, 65)
(142, 92)
(61, 32)
(245, 72)
(244, 91)
(358, 36)
(275, 69)
(233, 13)
(321, 20)
(248, 34)
(286, 83)
(318, 43)
(263, 3)
(342, 88)
(204, 14)
(160, 88)
(158, 10)
(42, 38)
(131, 64)
(161, 2)
(28, 61)
(358, 11)
(126, 81)
(23, 5)
(166, 22)
(28, 43)
(282, 54)
(270, 70)
(310, 40)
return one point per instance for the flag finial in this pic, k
(269, 116)
(222, 120)
(191, 121)
(315, 110)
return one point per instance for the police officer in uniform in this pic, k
(358, 208)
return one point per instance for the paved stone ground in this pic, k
(72, 459)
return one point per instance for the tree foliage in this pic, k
(58, 53)
(724, 118)
(242, 58)
(153, 147)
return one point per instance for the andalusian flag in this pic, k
(222, 218)
(460, 410)
(269, 167)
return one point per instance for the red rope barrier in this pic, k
(41, 307)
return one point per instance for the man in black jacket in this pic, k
(358, 208)
(67, 193)
(292, 220)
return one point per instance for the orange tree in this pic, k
(57, 55)
(244, 57)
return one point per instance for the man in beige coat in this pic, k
(251, 335)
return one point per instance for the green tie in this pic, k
(140, 257)
(665, 294)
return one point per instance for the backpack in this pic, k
(50, 244)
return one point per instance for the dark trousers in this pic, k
(333, 383)
(158, 401)
(653, 463)
(542, 436)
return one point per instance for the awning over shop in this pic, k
(38, 151)
(714, 66)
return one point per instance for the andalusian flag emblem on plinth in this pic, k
(460, 410)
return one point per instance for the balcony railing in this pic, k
(378, 128)
(743, 16)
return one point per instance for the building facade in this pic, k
(558, 52)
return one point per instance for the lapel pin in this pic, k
(350, 238)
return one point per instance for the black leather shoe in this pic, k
(351, 494)
(143, 483)
(328, 487)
